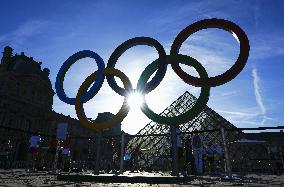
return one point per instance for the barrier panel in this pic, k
(225, 152)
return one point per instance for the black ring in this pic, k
(151, 85)
(230, 73)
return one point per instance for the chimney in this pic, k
(7, 54)
(6, 58)
(46, 72)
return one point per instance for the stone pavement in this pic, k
(22, 178)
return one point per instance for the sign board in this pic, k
(61, 132)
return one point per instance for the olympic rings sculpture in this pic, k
(160, 66)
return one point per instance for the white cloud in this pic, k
(239, 114)
(244, 117)
(192, 11)
(229, 93)
(258, 96)
(28, 29)
(267, 45)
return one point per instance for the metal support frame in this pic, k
(228, 169)
(56, 156)
(174, 151)
(122, 152)
(98, 152)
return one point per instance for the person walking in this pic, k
(197, 143)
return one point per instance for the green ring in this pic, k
(200, 103)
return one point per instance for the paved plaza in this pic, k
(22, 178)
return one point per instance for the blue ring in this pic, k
(67, 64)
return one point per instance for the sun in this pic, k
(135, 100)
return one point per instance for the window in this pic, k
(1, 83)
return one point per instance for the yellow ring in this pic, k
(116, 119)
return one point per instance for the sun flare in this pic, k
(135, 100)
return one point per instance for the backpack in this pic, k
(197, 141)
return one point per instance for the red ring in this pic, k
(230, 73)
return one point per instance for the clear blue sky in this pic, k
(51, 31)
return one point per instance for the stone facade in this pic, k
(26, 99)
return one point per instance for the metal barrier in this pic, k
(237, 153)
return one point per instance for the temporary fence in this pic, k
(236, 154)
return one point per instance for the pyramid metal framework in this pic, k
(156, 150)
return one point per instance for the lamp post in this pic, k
(122, 152)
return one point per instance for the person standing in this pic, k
(135, 159)
(51, 151)
(197, 143)
(210, 152)
(177, 151)
(33, 150)
(218, 157)
(189, 166)
(180, 151)
(66, 155)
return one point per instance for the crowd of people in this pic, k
(57, 155)
(191, 155)
(194, 157)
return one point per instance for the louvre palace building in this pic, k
(26, 99)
